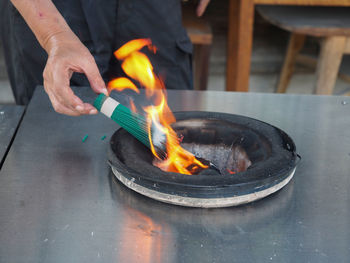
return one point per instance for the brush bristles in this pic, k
(132, 122)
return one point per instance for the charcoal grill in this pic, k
(256, 159)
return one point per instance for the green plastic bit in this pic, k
(103, 137)
(85, 137)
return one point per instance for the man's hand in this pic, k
(202, 5)
(67, 55)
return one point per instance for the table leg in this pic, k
(239, 49)
(332, 50)
(201, 66)
(296, 43)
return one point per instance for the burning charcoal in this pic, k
(261, 161)
(210, 167)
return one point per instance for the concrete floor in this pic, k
(6, 96)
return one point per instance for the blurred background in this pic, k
(269, 49)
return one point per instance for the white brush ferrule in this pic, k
(108, 106)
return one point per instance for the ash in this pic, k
(233, 159)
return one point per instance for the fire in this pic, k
(121, 84)
(132, 106)
(138, 67)
(131, 46)
(230, 172)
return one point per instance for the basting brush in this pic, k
(136, 125)
(132, 122)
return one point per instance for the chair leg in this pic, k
(296, 43)
(332, 50)
(201, 66)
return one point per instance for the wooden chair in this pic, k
(199, 31)
(331, 24)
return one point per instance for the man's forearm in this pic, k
(44, 20)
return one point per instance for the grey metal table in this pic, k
(60, 203)
(10, 117)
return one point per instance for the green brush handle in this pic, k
(132, 122)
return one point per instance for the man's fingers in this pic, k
(202, 6)
(59, 85)
(93, 74)
(62, 97)
(60, 108)
(65, 56)
(74, 103)
(90, 109)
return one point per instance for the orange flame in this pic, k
(122, 83)
(132, 106)
(230, 172)
(138, 67)
(130, 47)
